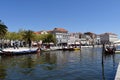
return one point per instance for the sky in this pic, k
(97, 16)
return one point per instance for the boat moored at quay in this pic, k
(24, 51)
(20, 51)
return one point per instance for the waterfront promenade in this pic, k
(117, 77)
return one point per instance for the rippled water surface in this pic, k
(60, 65)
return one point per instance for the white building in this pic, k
(61, 34)
(74, 38)
(97, 40)
(108, 37)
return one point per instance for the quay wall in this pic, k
(117, 76)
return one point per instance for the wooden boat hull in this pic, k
(76, 48)
(68, 49)
(17, 53)
(109, 52)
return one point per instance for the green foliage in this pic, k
(28, 35)
(13, 36)
(3, 30)
(47, 38)
(21, 33)
(37, 37)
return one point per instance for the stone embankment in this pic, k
(117, 77)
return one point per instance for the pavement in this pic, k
(117, 77)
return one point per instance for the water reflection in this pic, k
(50, 60)
(108, 59)
(2, 71)
(72, 65)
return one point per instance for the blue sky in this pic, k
(96, 16)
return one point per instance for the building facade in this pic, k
(74, 38)
(62, 35)
(108, 38)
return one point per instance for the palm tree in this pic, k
(3, 31)
(28, 36)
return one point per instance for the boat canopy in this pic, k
(116, 42)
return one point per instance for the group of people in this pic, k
(12, 44)
(15, 45)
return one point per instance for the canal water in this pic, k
(60, 65)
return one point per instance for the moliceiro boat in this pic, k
(20, 51)
(76, 48)
(70, 48)
(110, 50)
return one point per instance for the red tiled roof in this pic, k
(60, 30)
(36, 33)
(50, 31)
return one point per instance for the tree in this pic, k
(12, 36)
(21, 33)
(37, 37)
(49, 38)
(3, 30)
(28, 36)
